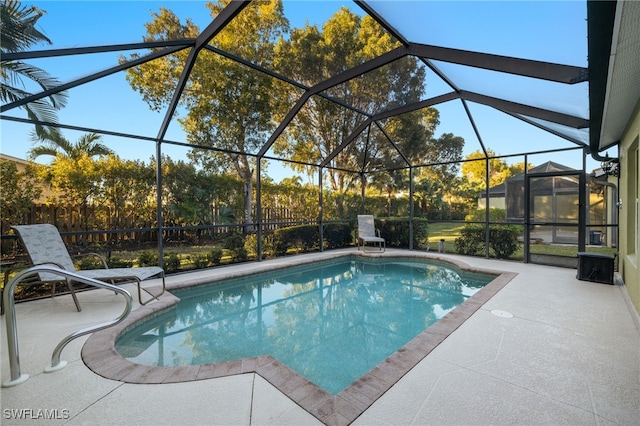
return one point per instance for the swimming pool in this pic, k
(331, 321)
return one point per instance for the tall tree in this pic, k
(19, 33)
(475, 171)
(229, 106)
(76, 182)
(125, 193)
(74, 174)
(345, 41)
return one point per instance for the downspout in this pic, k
(596, 156)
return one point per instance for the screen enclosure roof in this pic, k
(490, 68)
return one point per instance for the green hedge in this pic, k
(171, 261)
(300, 237)
(503, 240)
(339, 234)
(93, 262)
(396, 232)
(307, 237)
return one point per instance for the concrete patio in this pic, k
(569, 354)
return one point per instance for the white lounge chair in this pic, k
(44, 245)
(367, 233)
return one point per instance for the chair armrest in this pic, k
(99, 256)
(378, 233)
(17, 267)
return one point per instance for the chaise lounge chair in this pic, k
(367, 233)
(44, 245)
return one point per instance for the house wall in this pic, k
(21, 166)
(494, 202)
(629, 262)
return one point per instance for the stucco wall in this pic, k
(494, 203)
(21, 166)
(629, 263)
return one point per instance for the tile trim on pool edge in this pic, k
(99, 355)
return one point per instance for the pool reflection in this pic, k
(331, 325)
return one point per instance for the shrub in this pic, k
(396, 232)
(118, 262)
(420, 234)
(171, 262)
(200, 260)
(215, 256)
(235, 244)
(337, 235)
(503, 240)
(147, 258)
(471, 240)
(89, 262)
(303, 237)
(275, 244)
(251, 244)
(240, 255)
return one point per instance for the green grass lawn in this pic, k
(444, 230)
(449, 231)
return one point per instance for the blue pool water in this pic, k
(331, 322)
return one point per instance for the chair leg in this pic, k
(153, 296)
(73, 294)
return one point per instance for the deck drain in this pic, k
(502, 314)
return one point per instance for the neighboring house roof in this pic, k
(495, 191)
(16, 160)
(549, 166)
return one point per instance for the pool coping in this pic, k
(99, 353)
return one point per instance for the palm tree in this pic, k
(54, 144)
(19, 33)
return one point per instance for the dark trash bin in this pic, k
(595, 267)
(595, 238)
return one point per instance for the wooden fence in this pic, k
(85, 228)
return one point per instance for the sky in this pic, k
(542, 30)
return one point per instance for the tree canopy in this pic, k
(229, 106)
(235, 109)
(499, 170)
(345, 41)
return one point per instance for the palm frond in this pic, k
(41, 150)
(15, 70)
(18, 26)
(19, 32)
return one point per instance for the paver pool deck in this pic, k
(547, 348)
